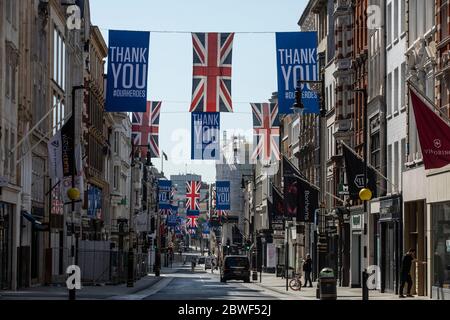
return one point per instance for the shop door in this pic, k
(5, 251)
(389, 257)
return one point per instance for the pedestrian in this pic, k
(307, 268)
(405, 276)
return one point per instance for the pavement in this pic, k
(272, 282)
(181, 283)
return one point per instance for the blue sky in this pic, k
(170, 75)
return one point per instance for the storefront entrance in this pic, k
(5, 245)
(391, 243)
(415, 227)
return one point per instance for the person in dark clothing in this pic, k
(307, 268)
(405, 275)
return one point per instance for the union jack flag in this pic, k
(266, 129)
(193, 195)
(211, 89)
(191, 222)
(145, 128)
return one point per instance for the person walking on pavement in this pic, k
(307, 268)
(405, 276)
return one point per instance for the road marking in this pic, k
(147, 292)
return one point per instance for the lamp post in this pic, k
(73, 193)
(298, 105)
(365, 194)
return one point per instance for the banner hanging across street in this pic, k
(205, 136)
(297, 60)
(434, 134)
(223, 190)
(127, 71)
(193, 197)
(211, 88)
(354, 167)
(165, 187)
(145, 129)
(266, 132)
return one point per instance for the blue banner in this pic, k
(165, 187)
(94, 202)
(205, 136)
(127, 71)
(223, 190)
(172, 220)
(297, 60)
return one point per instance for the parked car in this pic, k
(235, 268)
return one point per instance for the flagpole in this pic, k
(428, 100)
(371, 167)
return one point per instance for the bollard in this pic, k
(365, 289)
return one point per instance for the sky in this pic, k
(170, 22)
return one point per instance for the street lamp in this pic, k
(365, 193)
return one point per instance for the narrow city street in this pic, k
(202, 285)
(286, 142)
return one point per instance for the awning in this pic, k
(38, 225)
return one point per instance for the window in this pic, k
(8, 77)
(58, 114)
(403, 85)
(396, 164)
(402, 16)
(389, 94)
(444, 21)
(375, 150)
(59, 59)
(116, 142)
(116, 177)
(389, 168)
(403, 155)
(389, 25)
(396, 93)
(7, 148)
(395, 21)
(12, 159)
(14, 14)
(8, 9)
(429, 16)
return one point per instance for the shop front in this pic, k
(357, 225)
(6, 216)
(390, 244)
(440, 213)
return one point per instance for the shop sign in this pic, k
(357, 221)
(390, 209)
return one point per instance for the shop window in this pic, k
(441, 245)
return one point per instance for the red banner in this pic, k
(434, 134)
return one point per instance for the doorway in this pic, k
(356, 260)
(415, 237)
(388, 257)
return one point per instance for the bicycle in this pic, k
(296, 283)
